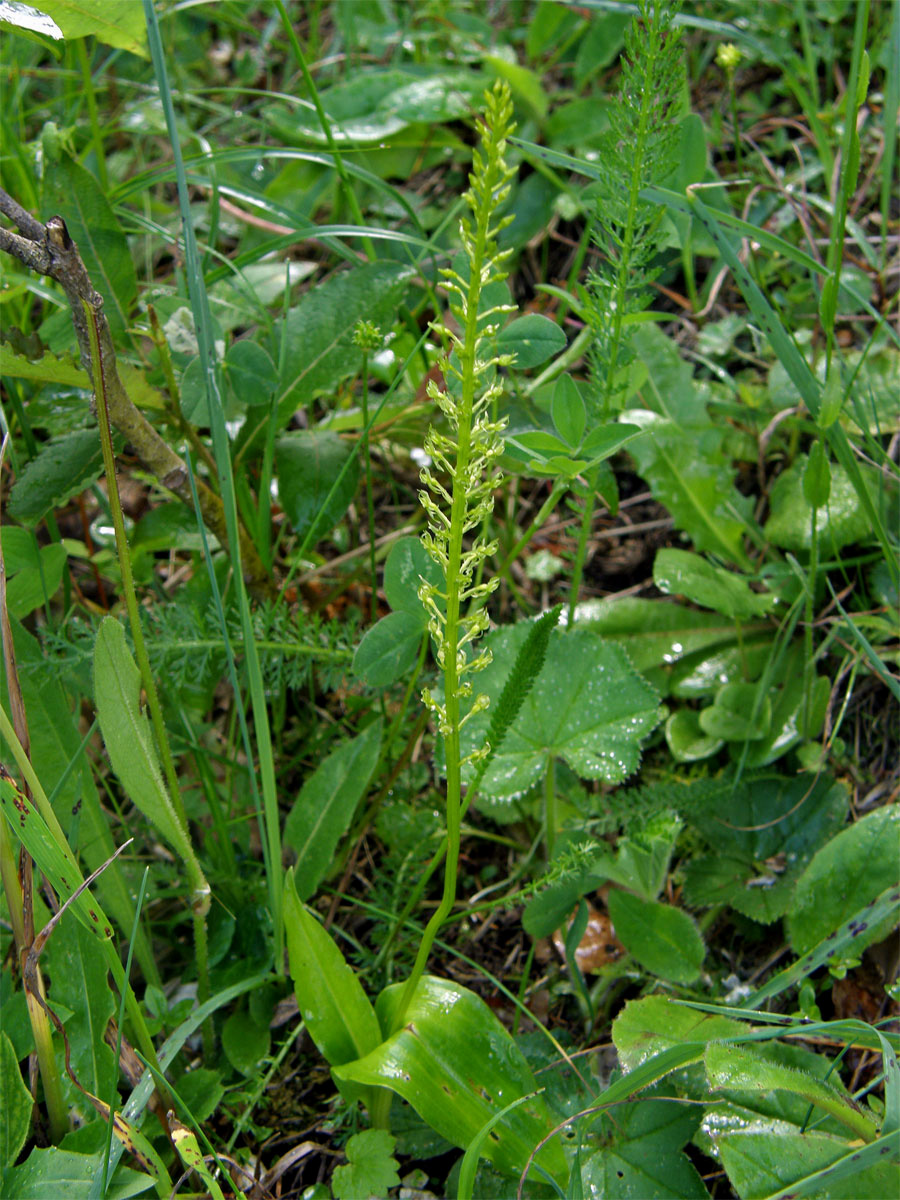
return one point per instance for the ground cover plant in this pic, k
(449, 599)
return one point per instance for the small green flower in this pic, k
(727, 57)
(367, 336)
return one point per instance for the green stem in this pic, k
(550, 817)
(91, 97)
(57, 1110)
(370, 503)
(587, 518)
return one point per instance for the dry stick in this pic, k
(48, 250)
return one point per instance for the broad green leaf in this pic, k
(568, 411)
(741, 1068)
(792, 718)
(652, 1025)
(324, 809)
(588, 706)
(245, 1042)
(129, 738)
(250, 374)
(376, 104)
(46, 369)
(61, 469)
(847, 873)
(763, 839)
(524, 84)
(78, 968)
(53, 1172)
(840, 522)
(680, 573)
(642, 1153)
(765, 1159)
(664, 940)
(332, 1003)
(407, 564)
(701, 673)
(308, 463)
(121, 25)
(317, 338)
(72, 192)
(15, 1111)
(371, 1167)
(687, 742)
(532, 339)
(35, 586)
(457, 1066)
(642, 859)
(682, 453)
(654, 632)
(26, 21)
(740, 712)
(201, 1090)
(388, 650)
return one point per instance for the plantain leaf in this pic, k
(664, 940)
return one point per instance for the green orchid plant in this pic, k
(411, 1042)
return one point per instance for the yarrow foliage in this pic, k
(458, 492)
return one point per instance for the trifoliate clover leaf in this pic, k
(588, 706)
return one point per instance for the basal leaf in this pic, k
(324, 809)
(767, 1160)
(52, 857)
(763, 839)
(309, 464)
(678, 572)
(741, 1067)
(840, 522)
(55, 742)
(653, 1024)
(848, 872)
(336, 1010)
(663, 939)
(588, 706)
(457, 1066)
(371, 1167)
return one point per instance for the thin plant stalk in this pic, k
(269, 812)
